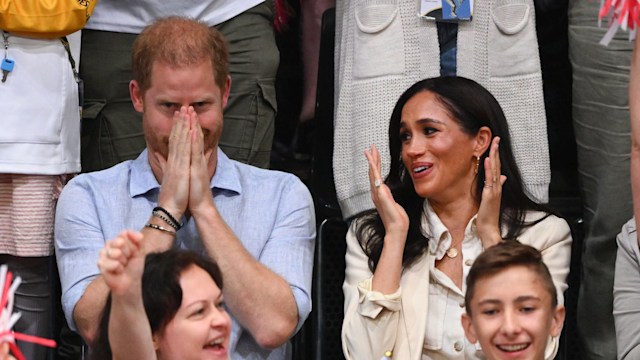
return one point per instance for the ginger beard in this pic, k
(172, 88)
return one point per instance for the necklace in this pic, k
(452, 252)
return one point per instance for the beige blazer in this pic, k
(375, 323)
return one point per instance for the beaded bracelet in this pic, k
(158, 227)
(177, 224)
(159, 215)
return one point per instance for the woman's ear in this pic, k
(483, 140)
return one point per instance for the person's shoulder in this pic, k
(545, 230)
(627, 239)
(253, 175)
(544, 219)
(107, 177)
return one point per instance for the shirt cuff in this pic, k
(373, 302)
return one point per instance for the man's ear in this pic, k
(136, 96)
(225, 96)
(467, 325)
(483, 140)
(557, 321)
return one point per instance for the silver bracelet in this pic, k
(158, 227)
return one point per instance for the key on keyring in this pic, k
(7, 67)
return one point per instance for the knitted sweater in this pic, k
(383, 47)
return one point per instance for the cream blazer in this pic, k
(375, 323)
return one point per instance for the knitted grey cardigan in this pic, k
(383, 47)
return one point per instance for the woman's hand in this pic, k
(121, 262)
(394, 217)
(488, 221)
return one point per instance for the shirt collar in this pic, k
(141, 175)
(226, 176)
(432, 228)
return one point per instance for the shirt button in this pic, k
(468, 262)
(461, 304)
(457, 346)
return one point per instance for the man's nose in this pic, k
(511, 323)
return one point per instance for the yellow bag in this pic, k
(45, 18)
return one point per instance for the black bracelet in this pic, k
(159, 215)
(158, 227)
(171, 217)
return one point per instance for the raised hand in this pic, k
(4, 352)
(488, 221)
(121, 262)
(394, 217)
(174, 193)
(199, 176)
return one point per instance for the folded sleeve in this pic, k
(290, 248)
(370, 317)
(78, 241)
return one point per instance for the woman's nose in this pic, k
(416, 146)
(220, 318)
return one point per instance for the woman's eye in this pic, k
(220, 305)
(429, 131)
(405, 136)
(198, 312)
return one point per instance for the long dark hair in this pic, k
(473, 107)
(161, 292)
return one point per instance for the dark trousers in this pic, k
(601, 124)
(35, 298)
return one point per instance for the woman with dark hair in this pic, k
(453, 190)
(163, 306)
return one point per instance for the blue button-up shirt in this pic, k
(269, 211)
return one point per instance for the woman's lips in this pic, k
(420, 169)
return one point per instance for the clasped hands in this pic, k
(188, 167)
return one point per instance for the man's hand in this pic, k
(174, 193)
(200, 197)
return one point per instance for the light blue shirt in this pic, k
(271, 212)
